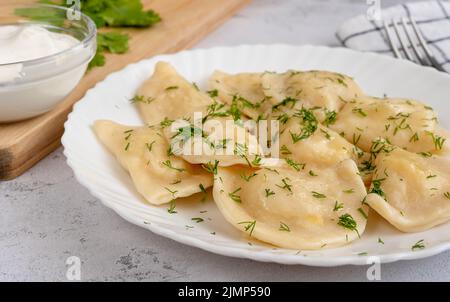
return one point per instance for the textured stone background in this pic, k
(46, 216)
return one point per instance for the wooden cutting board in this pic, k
(185, 22)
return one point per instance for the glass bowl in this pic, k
(33, 87)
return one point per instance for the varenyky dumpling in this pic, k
(411, 191)
(220, 141)
(408, 124)
(168, 96)
(243, 90)
(325, 91)
(143, 152)
(293, 209)
(306, 141)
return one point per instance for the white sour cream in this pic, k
(31, 41)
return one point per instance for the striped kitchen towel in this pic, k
(432, 17)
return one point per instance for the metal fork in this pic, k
(421, 53)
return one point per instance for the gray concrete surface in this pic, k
(46, 216)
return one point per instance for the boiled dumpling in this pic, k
(168, 96)
(293, 209)
(411, 191)
(324, 91)
(220, 141)
(404, 123)
(143, 152)
(303, 139)
(243, 90)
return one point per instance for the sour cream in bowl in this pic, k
(42, 61)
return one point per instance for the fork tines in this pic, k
(409, 43)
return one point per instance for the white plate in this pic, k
(96, 169)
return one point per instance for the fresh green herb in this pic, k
(380, 240)
(195, 86)
(419, 245)
(171, 88)
(256, 161)
(309, 122)
(197, 219)
(327, 135)
(112, 42)
(249, 226)
(202, 188)
(295, 165)
(311, 173)
(437, 140)
(425, 154)
(210, 167)
(142, 99)
(166, 122)
(247, 178)
(363, 214)
(348, 222)
(349, 191)
(285, 185)
(356, 138)
(414, 138)
(173, 192)
(330, 117)
(359, 111)
(168, 164)
(149, 146)
(172, 207)
(376, 187)
(431, 176)
(318, 195)
(284, 227)
(213, 93)
(338, 206)
(284, 150)
(269, 192)
(234, 196)
(447, 195)
(285, 103)
(127, 146)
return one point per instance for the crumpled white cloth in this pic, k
(432, 18)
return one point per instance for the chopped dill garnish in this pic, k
(284, 150)
(318, 195)
(213, 93)
(285, 185)
(171, 88)
(348, 222)
(311, 173)
(210, 167)
(376, 187)
(295, 165)
(168, 164)
(172, 207)
(142, 99)
(309, 122)
(359, 111)
(249, 226)
(349, 191)
(447, 195)
(330, 117)
(269, 192)
(338, 206)
(248, 177)
(234, 196)
(149, 146)
(363, 214)
(380, 240)
(284, 227)
(197, 219)
(166, 122)
(127, 146)
(419, 245)
(173, 192)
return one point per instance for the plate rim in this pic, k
(237, 252)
